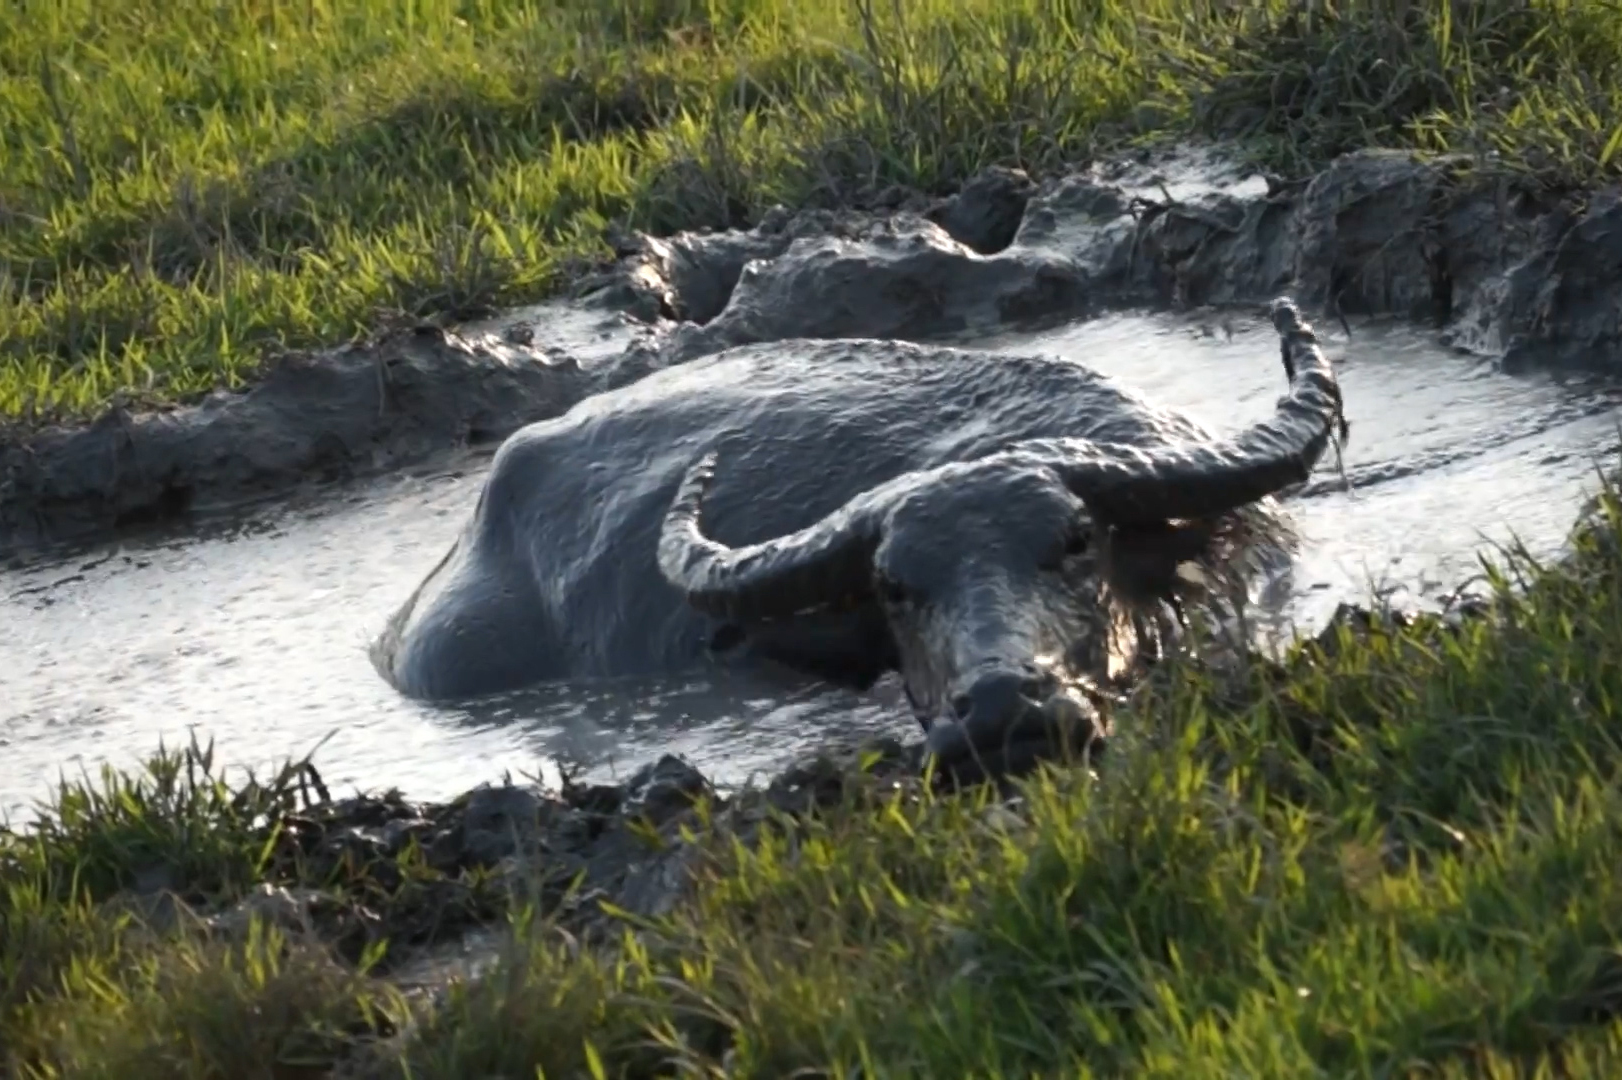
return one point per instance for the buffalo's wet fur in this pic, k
(1006, 532)
(1064, 556)
(383, 649)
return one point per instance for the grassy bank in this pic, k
(188, 184)
(1393, 857)
(1398, 859)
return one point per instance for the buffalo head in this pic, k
(1005, 582)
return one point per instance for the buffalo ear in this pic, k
(727, 636)
(1080, 539)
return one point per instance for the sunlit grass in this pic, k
(1394, 857)
(185, 185)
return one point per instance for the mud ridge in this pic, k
(335, 414)
(433, 879)
(1496, 271)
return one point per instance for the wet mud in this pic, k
(1524, 279)
(434, 881)
(368, 408)
(1496, 271)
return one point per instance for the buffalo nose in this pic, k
(1002, 695)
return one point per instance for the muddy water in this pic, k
(254, 635)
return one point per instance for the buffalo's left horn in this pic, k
(819, 564)
(1127, 485)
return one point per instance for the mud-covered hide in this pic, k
(556, 576)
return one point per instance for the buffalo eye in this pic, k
(892, 591)
(727, 637)
(1075, 543)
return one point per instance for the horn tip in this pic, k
(1286, 316)
(700, 472)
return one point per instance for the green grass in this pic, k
(1393, 857)
(187, 186)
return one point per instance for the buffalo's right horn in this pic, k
(1127, 485)
(820, 564)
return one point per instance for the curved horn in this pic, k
(821, 563)
(1129, 485)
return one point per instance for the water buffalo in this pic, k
(995, 528)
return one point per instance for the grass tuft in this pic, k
(265, 1008)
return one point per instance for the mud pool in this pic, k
(254, 634)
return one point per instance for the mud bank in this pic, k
(313, 417)
(436, 880)
(426, 876)
(1495, 270)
